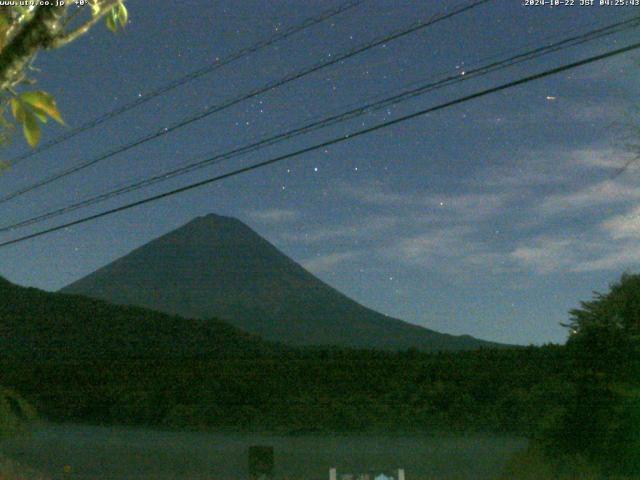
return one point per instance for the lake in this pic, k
(135, 453)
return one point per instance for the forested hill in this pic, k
(38, 325)
(78, 359)
(217, 266)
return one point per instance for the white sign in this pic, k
(370, 475)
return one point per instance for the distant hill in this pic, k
(78, 359)
(217, 266)
(43, 326)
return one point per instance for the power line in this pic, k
(333, 119)
(183, 80)
(328, 143)
(217, 108)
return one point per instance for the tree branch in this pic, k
(62, 40)
(38, 33)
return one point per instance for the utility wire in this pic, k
(217, 108)
(328, 143)
(163, 89)
(513, 60)
(333, 119)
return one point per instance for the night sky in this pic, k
(492, 218)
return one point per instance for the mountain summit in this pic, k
(217, 266)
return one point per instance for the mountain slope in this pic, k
(41, 326)
(217, 266)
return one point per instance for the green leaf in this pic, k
(4, 123)
(42, 116)
(31, 129)
(95, 8)
(22, 9)
(5, 20)
(5, 24)
(112, 20)
(17, 109)
(42, 103)
(123, 14)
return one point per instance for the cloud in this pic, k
(626, 225)
(360, 229)
(610, 243)
(616, 70)
(325, 263)
(452, 250)
(515, 177)
(590, 252)
(457, 251)
(423, 249)
(607, 111)
(274, 215)
(619, 259)
(601, 193)
(621, 243)
(374, 194)
(554, 167)
(545, 254)
(605, 158)
(428, 229)
(467, 206)
(497, 227)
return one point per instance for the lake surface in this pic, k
(133, 453)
